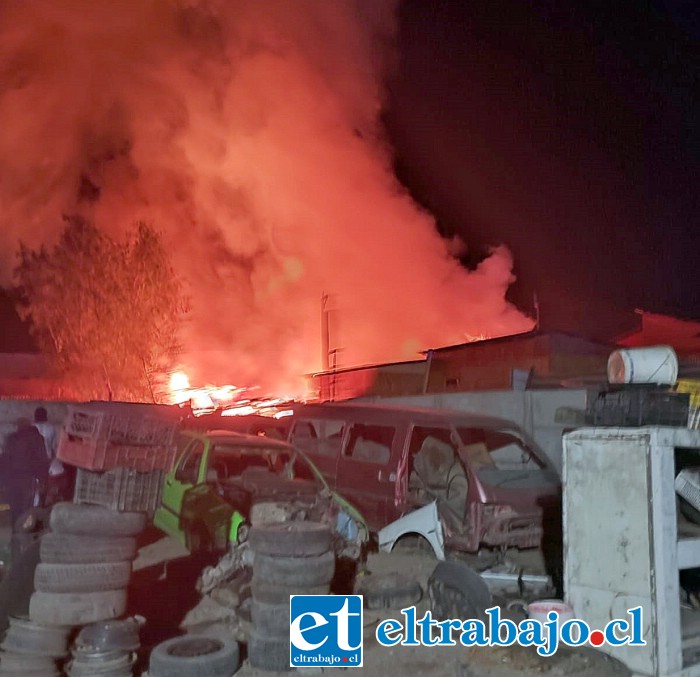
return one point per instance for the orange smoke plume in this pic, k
(249, 134)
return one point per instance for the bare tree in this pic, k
(107, 313)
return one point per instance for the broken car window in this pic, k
(370, 443)
(499, 456)
(188, 470)
(436, 470)
(229, 460)
(323, 436)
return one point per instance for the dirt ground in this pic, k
(455, 661)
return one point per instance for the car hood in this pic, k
(519, 487)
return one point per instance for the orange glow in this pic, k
(231, 400)
(179, 386)
(254, 142)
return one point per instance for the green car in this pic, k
(223, 479)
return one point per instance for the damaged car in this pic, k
(224, 481)
(492, 487)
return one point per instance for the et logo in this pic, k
(325, 630)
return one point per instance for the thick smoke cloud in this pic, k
(248, 133)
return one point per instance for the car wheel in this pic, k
(82, 577)
(295, 571)
(76, 608)
(457, 591)
(95, 520)
(292, 539)
(72, 549)
(194, 656)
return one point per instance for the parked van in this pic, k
(492, 486)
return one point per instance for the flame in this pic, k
(232, 400)
(250, 134)
(179, 383)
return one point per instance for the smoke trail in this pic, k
(248, 133)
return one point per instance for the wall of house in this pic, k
(385, 380)
(535, 411)
(11, 410)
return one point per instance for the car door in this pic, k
(367, 470)
(188, 472)
(321, 440)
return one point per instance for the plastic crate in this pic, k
(101, 454)
(121, 489)
(119, 428)
(637, 406)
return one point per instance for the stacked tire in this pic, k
(195, 656)
(290, 558)
(32, 649)
(85, 565)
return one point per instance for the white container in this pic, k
(656, 364)
(540, 609)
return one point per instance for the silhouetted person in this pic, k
(24, 464)
(47, 430)
(58, 486)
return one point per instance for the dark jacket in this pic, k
(25, 454)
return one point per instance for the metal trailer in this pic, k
(624, 543)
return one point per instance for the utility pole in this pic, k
(325, 333)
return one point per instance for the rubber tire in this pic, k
(270, 620)
(457, 591)
(33, 639)
(82, 577)
(39, 672)
(72, 549)
(290, 539)
(268, 653)
(65, 608)
(273, 593)
(222, 662)
(391, 591)
(10, 661)
(101, 664)
(95, 520)
(295, 571)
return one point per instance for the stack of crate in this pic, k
(637, 405)
(120, 458)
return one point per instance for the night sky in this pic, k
(567, 130)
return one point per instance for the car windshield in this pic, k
(229, 460)
(501, 457)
